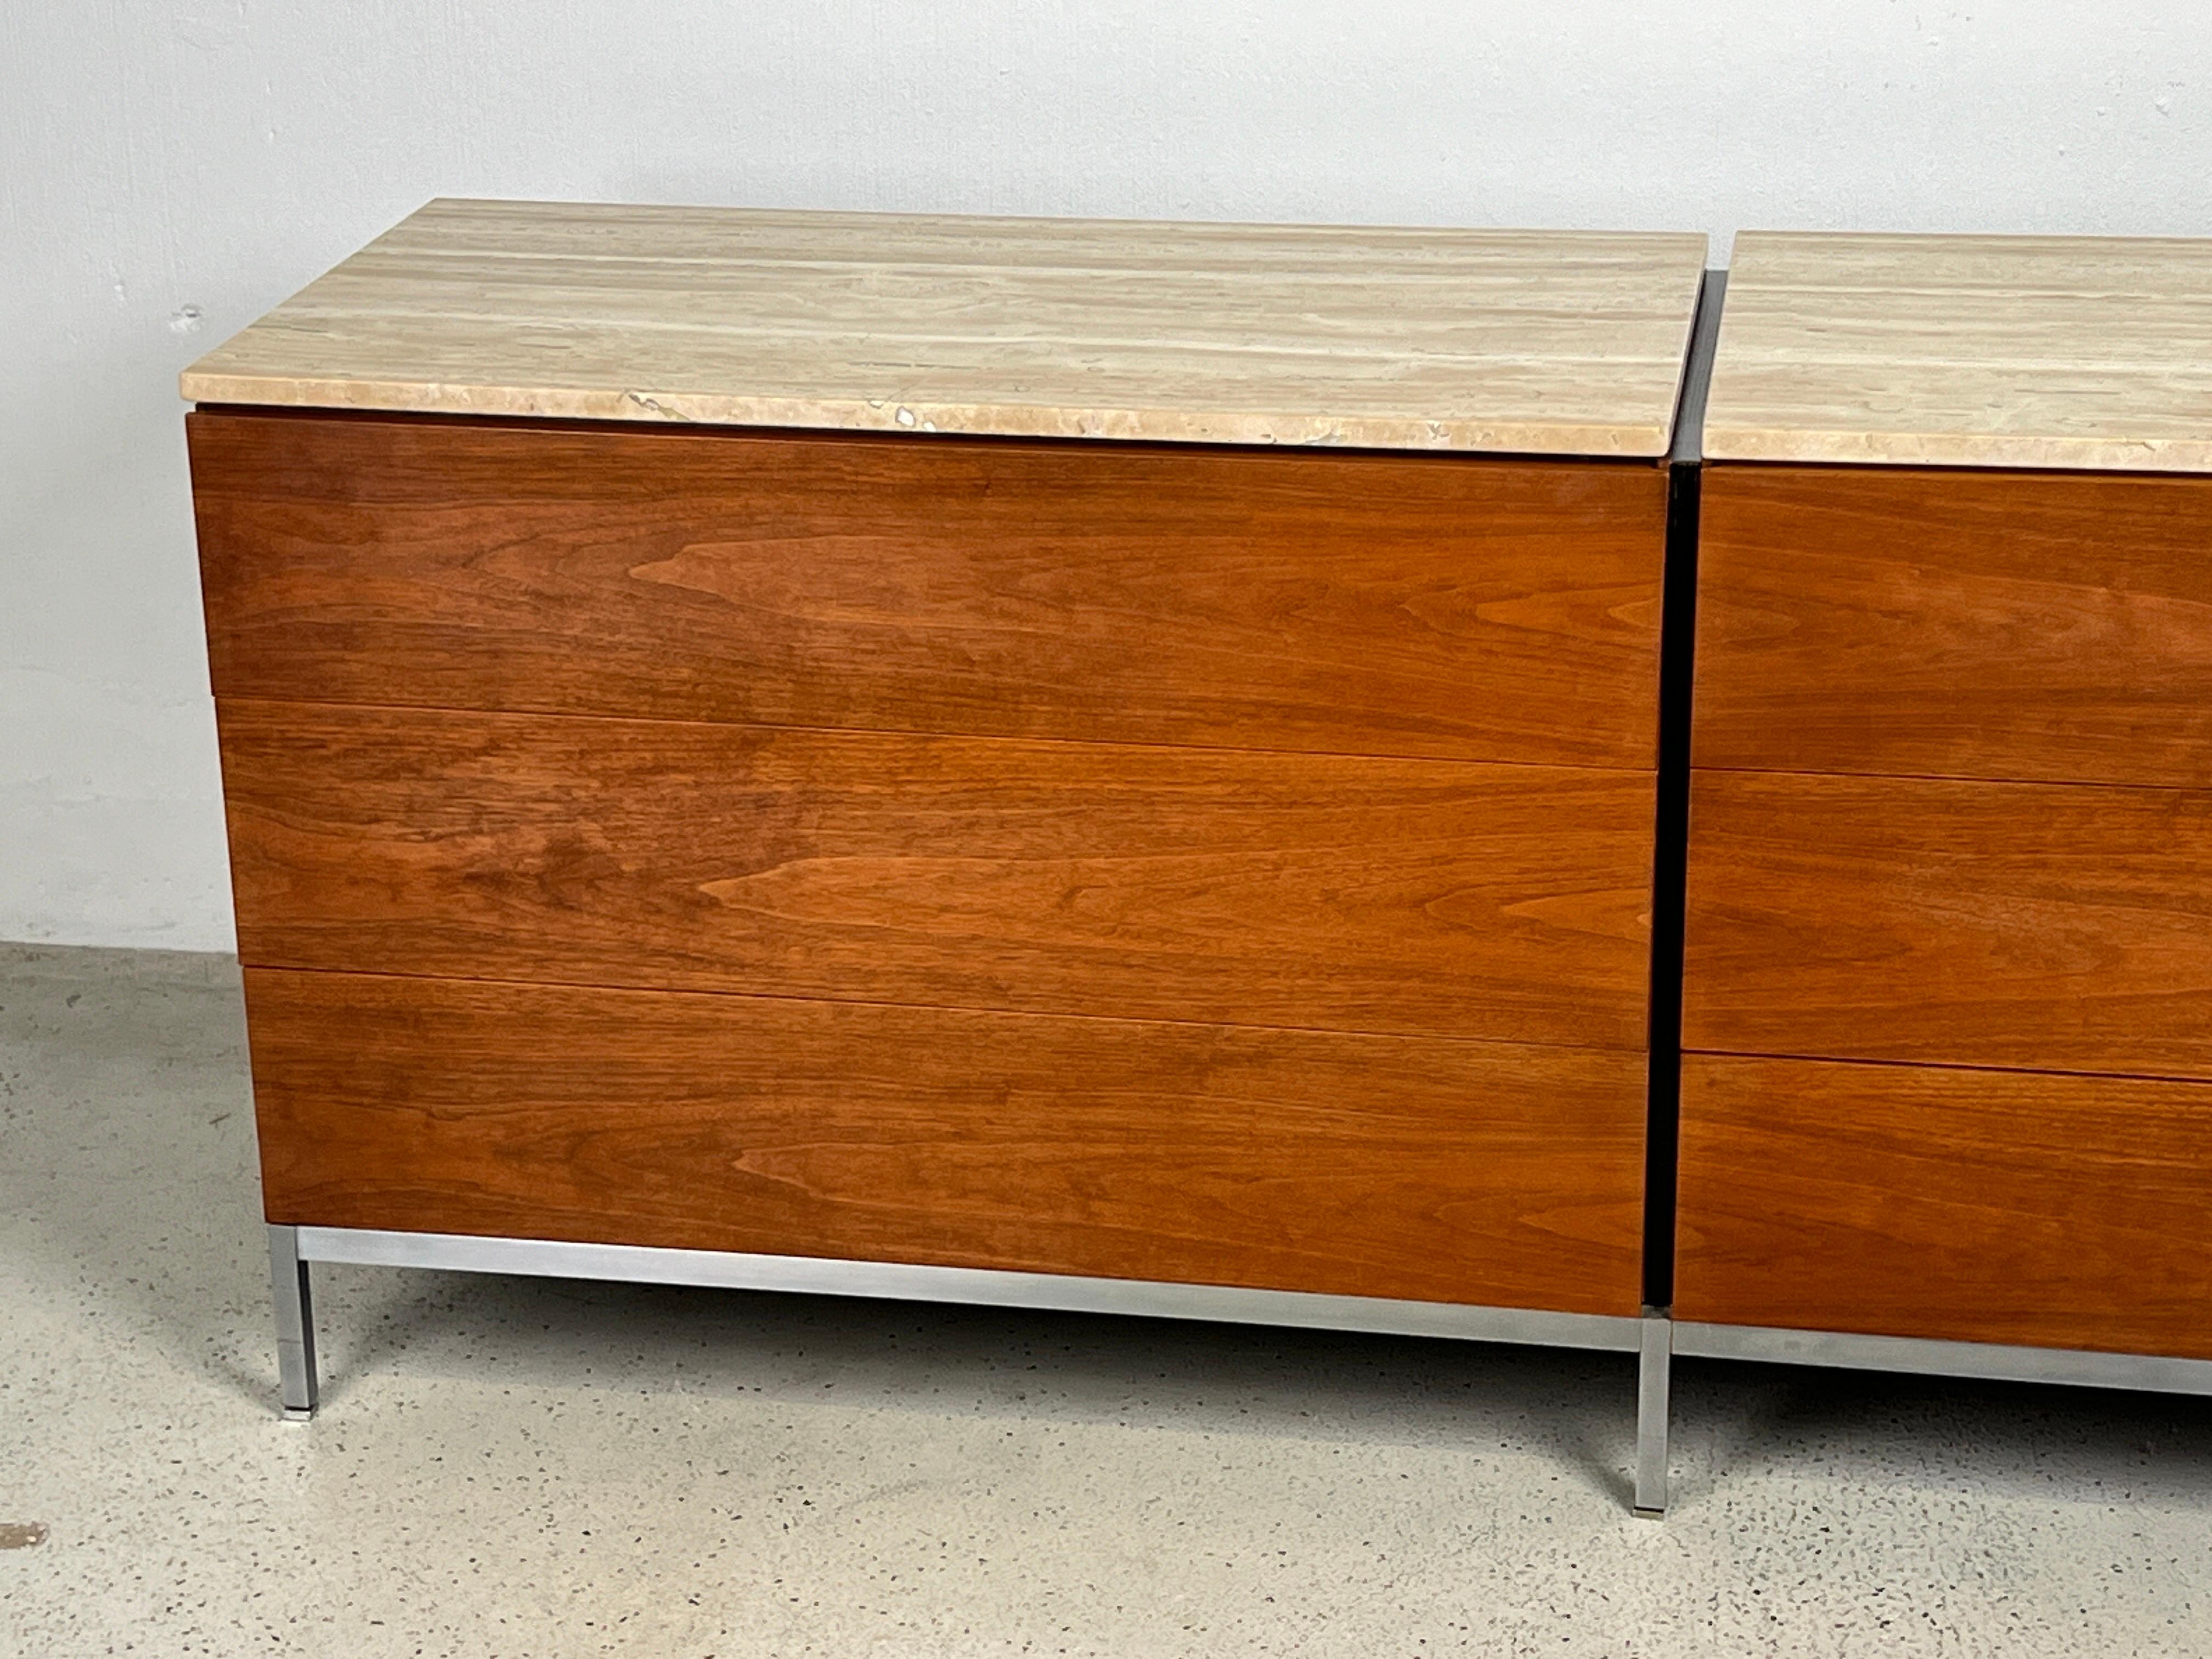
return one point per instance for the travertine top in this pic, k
(1552, 342)
(2030, 351)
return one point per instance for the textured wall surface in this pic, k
(168, 170)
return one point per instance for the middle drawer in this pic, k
(1423, 897)
(2057, 927)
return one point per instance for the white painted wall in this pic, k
(172, 167)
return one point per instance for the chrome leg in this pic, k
(295, 1323)
(1655, 1360)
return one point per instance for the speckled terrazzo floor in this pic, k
(526, 1467)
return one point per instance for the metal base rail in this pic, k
(1929, 1357)
(1655, 1338)
(292, 1248)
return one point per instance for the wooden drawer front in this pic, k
(2062, 928)
(1968, 624)
(1429, 896)
(1358, 603)
(1362, 1165)
(1984, 1206)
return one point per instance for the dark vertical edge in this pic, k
(1669, 874)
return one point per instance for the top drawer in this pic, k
(2038, 626)
(1361, 603)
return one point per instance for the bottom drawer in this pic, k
(1433, 1169)
(1973, 1205)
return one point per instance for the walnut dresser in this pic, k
(1946, 1098)
(1081, 764)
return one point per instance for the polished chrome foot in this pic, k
(295, 1324)
(1655, 1357)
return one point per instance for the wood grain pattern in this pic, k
(1423, 897)
(2024, 351)
(1978, 1207)
(1364, 603)
(2066, 927)
(1558, 342)
(1997, 625)
(1361, 1165)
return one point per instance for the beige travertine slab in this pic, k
(1548, 342)
(2028, 351)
